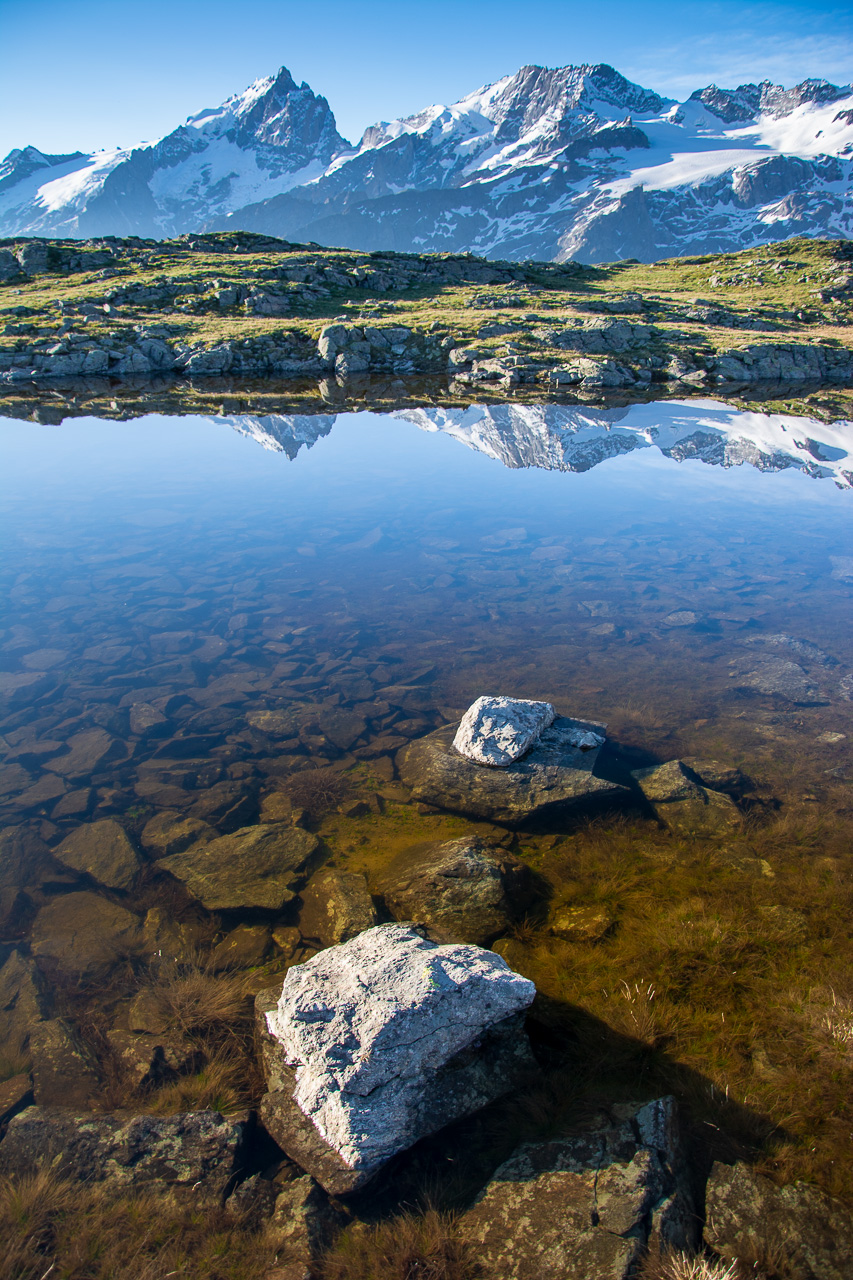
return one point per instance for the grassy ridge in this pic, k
(259, 294)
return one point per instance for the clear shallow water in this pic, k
(634, 566)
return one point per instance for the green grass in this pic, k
(800, 286)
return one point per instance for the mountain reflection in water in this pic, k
(167, 569)
(575, 438)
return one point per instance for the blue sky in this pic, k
(84, 74)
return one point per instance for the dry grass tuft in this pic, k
(49, 1227)
(212, 1011)
(318, 791)
(687, 1266)
(196, 1000)
(409, 1247)
(223, 1084)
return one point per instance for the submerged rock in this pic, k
(496, 731)
(255, 867)
(556, 771)
(783, 679)
(15, 1094)
(172, 832)
(103, 851)
(391, 1037)
(467, 889)
(681, 803)
(744, 1209)
(83, 934)
(193, 1156)
(336, 906)
(588, 1205)
(23, 1003)
(64, 1071)
(580, 924)
(25, 859)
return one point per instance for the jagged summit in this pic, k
(749, 101)
(552, 163)
(259, 143)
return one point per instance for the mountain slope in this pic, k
(549, 163)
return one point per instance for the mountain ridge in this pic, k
(559, 163)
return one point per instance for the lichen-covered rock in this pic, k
(23, 1003)
(103, 851)
(255, 867)
(386, 1038)
(681, 803)
(468, 889)
(83, 934)
(336, 905)
(64, 1071)
(586, 1206)
(744, 1210)
(554, 772)
(193, 1156)
(497, 730)
(303, 1222)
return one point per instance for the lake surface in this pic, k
(245, 619)
(634, 566)
(200, 609)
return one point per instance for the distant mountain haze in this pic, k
(569, 162)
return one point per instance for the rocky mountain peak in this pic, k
(278, 113)
(538, 93)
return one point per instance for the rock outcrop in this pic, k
(64, 1071)
(555, 772)
(383, 1040)
(588, 1205)
(465, 890)
(746, 1213)
(256, 867)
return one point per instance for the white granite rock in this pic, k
(497, 731)
(369, 1024)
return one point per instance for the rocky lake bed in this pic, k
(430, 829)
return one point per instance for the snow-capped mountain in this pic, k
(577, 438)
(255, 146)
(572, 162)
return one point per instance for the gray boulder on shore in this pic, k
(383, 1040)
